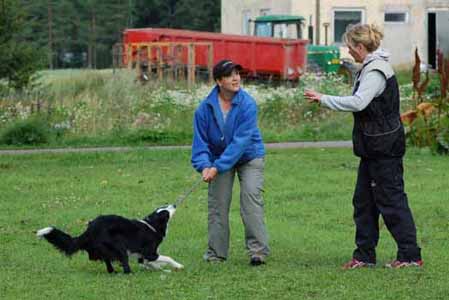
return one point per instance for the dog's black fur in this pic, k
(113, 238)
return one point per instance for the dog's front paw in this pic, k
(178, 267)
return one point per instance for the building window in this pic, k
(343, 18)
(246, 26)
(396, 17)
(264, 11)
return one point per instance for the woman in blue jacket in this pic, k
(226, 142)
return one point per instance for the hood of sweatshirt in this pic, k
(380, 53)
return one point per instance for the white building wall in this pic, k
(232, 12)
(400, 39)
(370, 13)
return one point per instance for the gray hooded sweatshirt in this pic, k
(371, 85)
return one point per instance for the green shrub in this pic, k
(431, 132)
(31, 131)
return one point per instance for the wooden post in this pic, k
(179, 63)
(138, 63)
(191, 65)
(160, 73)
(210, 62)
(129, 53)
(171, 61)
(149, 57)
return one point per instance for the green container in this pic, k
(324, 58)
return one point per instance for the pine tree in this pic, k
(18, 61)
(185, 14)
(81, 33)
(198, 15)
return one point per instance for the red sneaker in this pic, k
(356, 264)
(396, 264)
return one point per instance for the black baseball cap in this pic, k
(224, 68)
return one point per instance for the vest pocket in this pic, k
(384, 139)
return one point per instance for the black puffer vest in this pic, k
(378, 131)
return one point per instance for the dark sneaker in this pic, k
(357, 264)
(396, 264)
(257, 261)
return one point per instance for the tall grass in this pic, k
(87, 107)
(114, 108)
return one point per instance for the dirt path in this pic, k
(290, 145)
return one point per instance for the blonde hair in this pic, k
(368, 35)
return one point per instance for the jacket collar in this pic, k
(212, 98)
(212, 101)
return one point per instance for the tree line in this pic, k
(81, 33)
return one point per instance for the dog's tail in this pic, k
(61, 240)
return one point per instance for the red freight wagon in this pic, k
(259, 56)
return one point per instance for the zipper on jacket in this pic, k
(218, 123)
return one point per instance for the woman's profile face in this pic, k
(357, 51)
(230, 83)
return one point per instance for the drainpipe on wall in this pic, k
(317, 22)
(326, 25)
(310, 36)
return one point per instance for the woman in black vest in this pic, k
(379, 141)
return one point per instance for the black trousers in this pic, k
(380, 191)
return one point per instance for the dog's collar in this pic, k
(148, 225)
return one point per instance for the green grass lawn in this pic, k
(308, 213)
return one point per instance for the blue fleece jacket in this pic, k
(221, 144)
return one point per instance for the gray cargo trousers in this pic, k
(251, 179)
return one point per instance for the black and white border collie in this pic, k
(114, 238)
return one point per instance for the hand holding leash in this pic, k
(209, 174)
